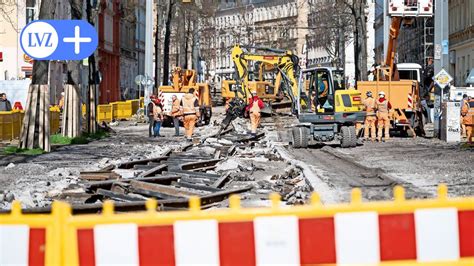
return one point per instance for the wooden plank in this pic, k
(129, 165)
(73, 112)
(154, 171)
(41, 118)
(219, 183)
(92, 109)
(165, 180)
(63, 121)
(117, 196)
(166, 190)
(47, 122)
(32, 118)
(24, 130)
(78, 116)
(99, 176)
(200, 165)
(197, 187)
(153, 194)
(69, 111)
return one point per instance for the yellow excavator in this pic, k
(273, 78)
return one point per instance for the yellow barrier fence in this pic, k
(121, 110)
(135, 105)
(104, 113)
(11, 122)
(401, 232)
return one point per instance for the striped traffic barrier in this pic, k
(29, 239)
(400, 232)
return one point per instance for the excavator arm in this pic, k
(284, 61)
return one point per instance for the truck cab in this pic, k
(409, 71)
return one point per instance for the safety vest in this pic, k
(468, 109)
(188, 104)
(382, 107)
(157, 111)
(255, 108)
(369, 106)
(175, 108)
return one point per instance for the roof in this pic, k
(408, 66)
(322, 67)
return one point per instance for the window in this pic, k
(30, 14)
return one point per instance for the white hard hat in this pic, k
(62, 93)
(382, 93)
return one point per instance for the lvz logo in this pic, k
(58, 39)
(34, 39)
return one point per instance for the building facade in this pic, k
(257, 23)
(461, 39)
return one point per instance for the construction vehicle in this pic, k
(401, 86)
(278, 65)
(326, 110)
(263, 72)
(182, 82)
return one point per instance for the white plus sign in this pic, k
(77, 39)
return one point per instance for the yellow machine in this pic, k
(183, 80)
(272, 76)
(327, 111)
(404, 95)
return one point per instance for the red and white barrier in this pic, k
(22, 245)
(410, 102)
(427, 235)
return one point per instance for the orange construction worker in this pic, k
(254, 108)
(370, 118)
(464, 101)
(383, 120)
(176, 114)
(190, 109)
(468, 113)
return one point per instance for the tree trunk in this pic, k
(158, 45)
(91, 106)
(181, 38)
(166, 48)
(36, 125)
(72, 101)
(195, 50)
(360, 40)
(186, 39)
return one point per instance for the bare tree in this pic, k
(357, 8)
(166, 49)
(330, 30)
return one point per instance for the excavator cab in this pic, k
(331, 111)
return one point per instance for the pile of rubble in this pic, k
(211, 168)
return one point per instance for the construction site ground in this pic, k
(267, 164)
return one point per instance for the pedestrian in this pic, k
(61, 102)
(254, 108)
(464, 101)
(176, 114)
(151, 121)
(5, 104)
(157, 117)
(383, 120)
(190, 109)
(370, 118)
(468, 113)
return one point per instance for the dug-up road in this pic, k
(419, 165)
